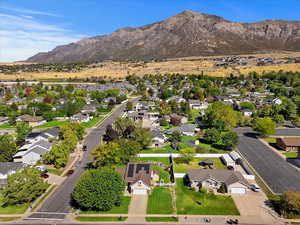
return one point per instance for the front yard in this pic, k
(92, 122)
(194, 164)
(53, 123)
(160, 201)
(190, 202)
(14, 209)
(122, 209)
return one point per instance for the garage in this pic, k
(238, 190)
(139, 191)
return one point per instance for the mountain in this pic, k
(185, 34)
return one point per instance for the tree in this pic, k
(143, 137)
(218, 111)
(128, 149)
(230, 140)
(290, 203)
(129, 106)
(107, 154)
(222, 188)
(164, 108)
(212, 135)
(23, 186)
(247, 105)
(121, 124)
(296, 121)
(187, 154)
(175, 139)
(110, 134)
(265, 126)
(278, 118)
(99, 189)
(8, 148)
(23, 129)
(58, 155)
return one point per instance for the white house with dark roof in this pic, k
(234, 181)
(6, 169)
(159, 139)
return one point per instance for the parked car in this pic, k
(78, 163)
(84, 148)
(44, 175)
(70, 172)
(255, 188)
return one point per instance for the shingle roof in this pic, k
(291, 141)
(6, 167)
(225, 176)
(29, 118)
(138, 171)
(53, 131)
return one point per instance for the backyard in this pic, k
(197, 203)
(160, 201)
(194, 164)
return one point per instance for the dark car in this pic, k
(84, 148)
(44, 175)
(70, 172)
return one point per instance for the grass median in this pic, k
(99, 218)
(162, 219)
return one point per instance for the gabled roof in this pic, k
(29, 118)
(291, 141)
(184, 128)
(157, 133)
(224, 176)
(138, 171)
(54, 132)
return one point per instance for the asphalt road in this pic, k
(276, 172)
(60, 200)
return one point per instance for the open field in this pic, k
(189, 65)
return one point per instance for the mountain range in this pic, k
(185, 34)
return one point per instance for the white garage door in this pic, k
(238, 191)
(139, 191)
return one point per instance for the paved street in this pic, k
(60, 200)
(276, 172)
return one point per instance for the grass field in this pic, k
(99, 218)
(194, 164)
(161, 219)
(123, 209)
(174, 66)
(165, 149)
(14, 209)
(54, 123)
(6, 126)
(160, 201)
(9, 218)
(92, 122)
(197, 203)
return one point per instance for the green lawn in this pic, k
(291, 154)
(6, 126)
(14, 209)
(197, 203)
(194, 164)
(10, 218)
(123, 209)
(55, 171)
(99, 218)
(164, 160)
(162, 219)
(92, 122)
(160, 201)
(165, 149)
(53, 123)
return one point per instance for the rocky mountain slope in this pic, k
(186, 34)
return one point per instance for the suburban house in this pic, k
(177, 119)
(79, 118)
(6, 169)
(159, 139)
(52, 133)
(141, 106)
(145, 118)
(177, 99)
(31, 153)
(247, 112)
(185, 129)
(90, 108)
(196, 104)
(31, 120)
(288, 144)
(139, 177)
(234, 181)
(276, 101)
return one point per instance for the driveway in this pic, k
(137, 209)
(275, 171)
(252, 206)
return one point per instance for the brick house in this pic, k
(288, 144)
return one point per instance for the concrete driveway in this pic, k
(253, 206)
(137, 209)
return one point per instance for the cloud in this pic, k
(28, 11)
(22, 37)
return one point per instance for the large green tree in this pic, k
(99, 189)
(107, 154)
(23, 186)
(143, 137)
(23, 129)
(8, 148)
(230, 140)
(265, 126)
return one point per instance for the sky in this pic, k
(31, 26)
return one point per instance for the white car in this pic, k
(255, 188)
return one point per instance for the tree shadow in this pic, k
(252, 135)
